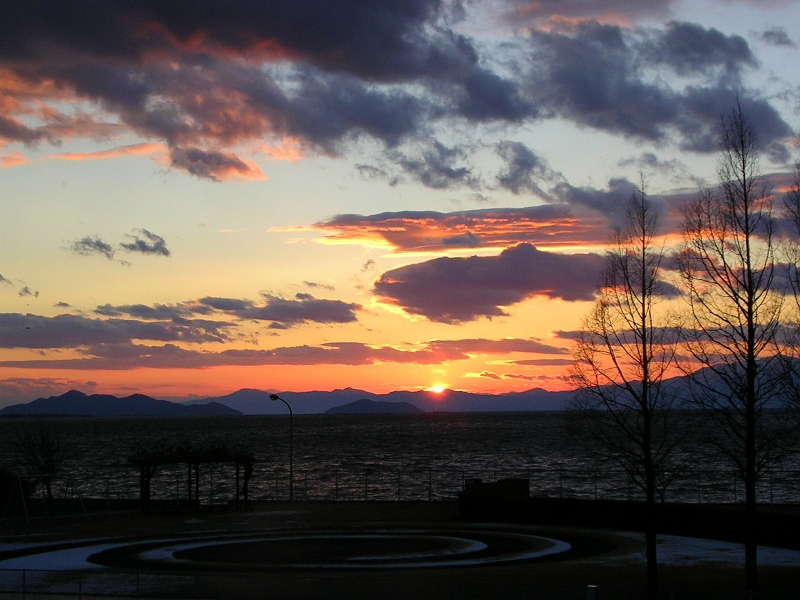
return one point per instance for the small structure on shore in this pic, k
(148, 461)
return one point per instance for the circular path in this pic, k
(366, 547)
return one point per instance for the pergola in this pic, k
(148, 460)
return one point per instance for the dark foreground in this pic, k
(600, 557)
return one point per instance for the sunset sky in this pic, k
(201, 196)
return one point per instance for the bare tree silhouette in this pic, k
(41, 450)
(621, 407)
(733, 325)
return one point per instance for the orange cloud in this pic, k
(290, 150)
(132, 149)
(419, 231)
(14, 159)
(549, 15)
(560, 22)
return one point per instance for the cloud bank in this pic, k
(126, 355)
(210, 81)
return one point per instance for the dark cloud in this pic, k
(213, 165)
(148, 243)
(689, 49)
(776, 36)
(283, 313)
(318, 286)
(588, 74)
(176, 73)
(72, 331)
(144, 242)
(232, 305)
(567, 335)
(490, 375)
(474, 287)
(330, 110)
(26, 291)
(522, 169)
(93, 245)
(11, 130)
(478, 346)
(611, 202)
(373, 172)
(304, 308)
(597, 75)
(4, 281)
(126, 355)
(522, 377)
(544, 362)
(485, 96)
(436, 167)
(391, 42)
(174, 312)
(465, 240)
(704, 106)
(207, 79)
(651, 162)
(62, 305)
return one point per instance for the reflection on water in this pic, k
(416, 456)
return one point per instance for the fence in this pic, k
(217, 486)
(31, 583)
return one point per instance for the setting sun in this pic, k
(436, 389)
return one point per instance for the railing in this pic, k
(775, 487)
(374, 483)
(31, 583)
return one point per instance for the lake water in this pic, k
(378, 457)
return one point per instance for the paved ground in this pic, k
(612, 560)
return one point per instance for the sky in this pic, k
(203, 196)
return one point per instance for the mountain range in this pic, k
(75, 403)
(257, 402)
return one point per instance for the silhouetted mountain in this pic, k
(365, 406)
(257, 402)
(102, 405)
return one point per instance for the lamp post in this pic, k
(275, 397)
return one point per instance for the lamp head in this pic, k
(274, 397)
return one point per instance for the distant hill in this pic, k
(365, 406)
(257, 402)
(75, 403)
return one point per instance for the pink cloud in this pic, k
(129, 150)
(13, 159)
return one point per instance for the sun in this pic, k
(436, 389)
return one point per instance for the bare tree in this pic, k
(622, 408)
(41, 450)
(735, 303)
(791, 419)
(791, 203)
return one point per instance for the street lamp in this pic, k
(275, 397)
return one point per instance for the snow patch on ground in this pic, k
(679, 551)
(71, 559)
